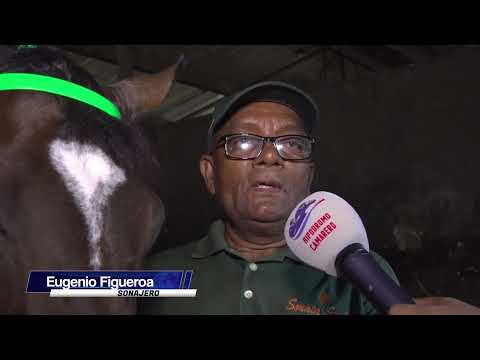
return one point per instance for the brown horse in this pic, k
(77, 187)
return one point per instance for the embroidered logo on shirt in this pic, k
(326, 308)
(296, 306)
(323, 297)
(332, 310)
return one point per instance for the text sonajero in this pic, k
(139, 293)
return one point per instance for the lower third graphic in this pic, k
(112, 283)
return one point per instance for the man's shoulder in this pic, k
(170, 257)
(384, 265)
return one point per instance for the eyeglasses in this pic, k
(249, 147)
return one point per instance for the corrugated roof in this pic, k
(183, 100)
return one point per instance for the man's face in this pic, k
(264, 190)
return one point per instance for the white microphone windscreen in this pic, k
(321, 226)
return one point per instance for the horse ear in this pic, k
(143, 93)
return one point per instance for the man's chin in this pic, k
(270, 210)
(267, 217)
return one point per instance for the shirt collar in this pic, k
(215, 242)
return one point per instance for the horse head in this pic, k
(78, 187)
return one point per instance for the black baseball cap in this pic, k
(273, 91)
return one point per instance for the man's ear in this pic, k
(207, 171)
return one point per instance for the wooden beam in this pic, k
(356, 56)
(416, 54)
(125, 61)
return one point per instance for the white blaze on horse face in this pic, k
(91, 177)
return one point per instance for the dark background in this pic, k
(402, 147)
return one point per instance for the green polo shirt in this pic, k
(228, 284)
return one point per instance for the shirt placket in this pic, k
(248, 292)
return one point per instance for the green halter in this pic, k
(25, 81)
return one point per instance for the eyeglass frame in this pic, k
(223, 141)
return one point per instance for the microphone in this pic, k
(325, 232)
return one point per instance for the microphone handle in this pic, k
(357, 266)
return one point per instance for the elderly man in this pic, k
(258, 167)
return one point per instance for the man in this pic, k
(258, 167)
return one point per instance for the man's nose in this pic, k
(269, 155)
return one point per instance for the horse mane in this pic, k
(123, 141)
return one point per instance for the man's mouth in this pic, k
(267, 186)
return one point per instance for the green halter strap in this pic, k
(25, 81)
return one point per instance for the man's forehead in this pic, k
(262, 107)
(256, 114)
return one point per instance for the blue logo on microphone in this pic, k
(297, 224)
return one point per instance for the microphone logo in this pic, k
(297, 224)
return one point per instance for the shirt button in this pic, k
(248, 294)
(253, 267)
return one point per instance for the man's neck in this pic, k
(254, 245)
